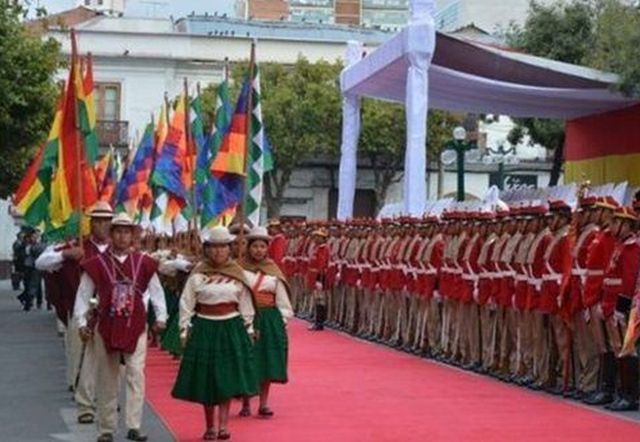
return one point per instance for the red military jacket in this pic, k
(278, 248)
(621, 275)
(486, 269)
(537, 267)
(555, 256)
(318, 264)
(598, 257)
(579, 269)
(471, 268)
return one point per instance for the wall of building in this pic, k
(485, 14)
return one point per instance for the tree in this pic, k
(603, 34)
(27, 93)
(560, 31)
(382, 142)
(617, 44)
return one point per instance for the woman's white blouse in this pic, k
(216, 289)
(271, 284)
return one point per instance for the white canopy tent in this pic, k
(424, 69)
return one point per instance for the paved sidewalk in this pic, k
(35, 405)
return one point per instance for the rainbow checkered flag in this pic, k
(256, 160)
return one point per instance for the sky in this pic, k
(152, 8)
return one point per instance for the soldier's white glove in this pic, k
(619, 318)
(597, 312)
(476, 295)
(586, 314)
(318, 286)
(359, 284)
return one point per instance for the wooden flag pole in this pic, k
(241, 216)
(79, 190)
(193, 222)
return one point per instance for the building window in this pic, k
(87, 2)
(107, 99)
(100, 2)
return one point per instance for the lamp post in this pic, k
(500, 155)
(459, 146)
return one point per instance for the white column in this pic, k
(421, 45)
(349, 148)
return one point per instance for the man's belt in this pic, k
(221, 309)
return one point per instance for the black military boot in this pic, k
(321, 316)
(629, 375)
(606, 383)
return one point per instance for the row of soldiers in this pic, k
(536, 294)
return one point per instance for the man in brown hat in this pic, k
(124, 282)
(62, 264)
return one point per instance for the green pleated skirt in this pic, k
(217, 364)
(170, 339)
(272, 347)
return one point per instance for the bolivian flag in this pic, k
(604, 148)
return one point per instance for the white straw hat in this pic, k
(259, 233)
(217, 235)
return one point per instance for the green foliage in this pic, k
(561, 31)
(27, 93)
(617, 46)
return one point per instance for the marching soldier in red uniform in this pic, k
(278, 244)
(619, 289)
(599, 256)
(316, 273)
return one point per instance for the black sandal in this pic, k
(265, 412)
(210, 434)
(224, 435)
(86, 418)
(245, 412)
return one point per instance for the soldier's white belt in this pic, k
(612, 281)
(557, 277)
(522, 278)
(595, 272)
(579, 272)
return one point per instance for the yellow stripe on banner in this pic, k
(32, 194)
(602, 170)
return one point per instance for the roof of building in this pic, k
(67, 19)
(221, 25)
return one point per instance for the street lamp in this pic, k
(459, 146)
(500, 156)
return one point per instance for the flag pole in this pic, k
(193, 223)
(79, 190)
(249, 111)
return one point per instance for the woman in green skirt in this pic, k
(216, 326)
(271, 292)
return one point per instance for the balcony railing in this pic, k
(113, 133)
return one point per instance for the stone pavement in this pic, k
(35, 405)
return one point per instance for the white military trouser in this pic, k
(108, 373)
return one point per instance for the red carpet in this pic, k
(344, 390)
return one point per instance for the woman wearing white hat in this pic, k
(271, 291)
(216, 316)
